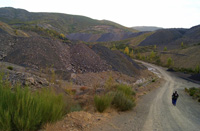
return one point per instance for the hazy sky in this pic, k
(162, 13)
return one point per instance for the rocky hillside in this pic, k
(106, 37)
(37, 51)
(163, 37)
(113, 58)
(83, 59)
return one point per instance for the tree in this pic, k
(197, 69)
(61, 36)
(165, 48)
(114, 47)
(16, 32)
(126, 50)
(182, 45)
(155, 47)
(143, 58)
(131, 54)
(152, 55)
(169, 62)
(139, 56)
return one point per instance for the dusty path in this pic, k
(155, 112)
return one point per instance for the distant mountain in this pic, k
(62, 23)
(164, 36)
(73, 26)
(172, 38)
(146, 28)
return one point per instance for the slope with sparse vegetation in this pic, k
(62, 23)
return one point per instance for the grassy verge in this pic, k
(194, 92)
(23, 110)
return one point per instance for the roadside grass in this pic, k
(102, 102)
(194, 92)
(122, 102)
(22, 109)
(127, 90)
(124, 98)
(121, 97)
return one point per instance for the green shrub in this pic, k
(165, 48)
(10, 67)
(127, 90)
(122, 102)
(102, 102)
(23, 110)
(192, 91)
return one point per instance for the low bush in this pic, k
(10, 67)
(102, 102)
(122, 102)
(127, 90)
(194, 92)
(185, 70)
(23, 110)
(120, 96)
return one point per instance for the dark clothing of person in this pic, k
(174, 101)
(174, 98)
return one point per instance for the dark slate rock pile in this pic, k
(118, 60)
(83, 59)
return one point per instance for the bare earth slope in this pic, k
(155, 112)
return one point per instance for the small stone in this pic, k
(31, 80)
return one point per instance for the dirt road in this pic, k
(155, 112)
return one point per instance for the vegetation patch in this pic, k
(23, 110)
(123, 98)
(127, 90)
(102, 102)
(122, 102)
(194, 92)
(44, 32)
(10, 68)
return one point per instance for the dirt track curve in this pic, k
(155, 112)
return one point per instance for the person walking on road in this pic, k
(174, 98)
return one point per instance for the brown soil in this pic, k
(84, 121)
(79, 121)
